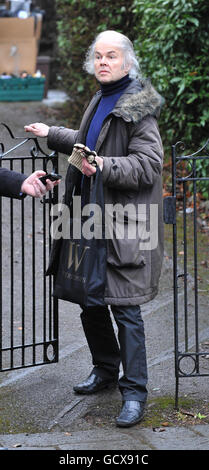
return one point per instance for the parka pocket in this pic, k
(125, 244)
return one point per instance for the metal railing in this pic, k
(191, 319)
(28, 311)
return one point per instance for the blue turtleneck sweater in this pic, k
(111, 92)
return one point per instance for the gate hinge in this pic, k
(169, 210)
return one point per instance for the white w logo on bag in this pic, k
(73, 255)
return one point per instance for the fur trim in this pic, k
(134, 105)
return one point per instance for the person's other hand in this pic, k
(88, 169)
(32, 186)
(39, 129)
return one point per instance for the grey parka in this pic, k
(131, 147)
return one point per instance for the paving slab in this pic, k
(173, 438)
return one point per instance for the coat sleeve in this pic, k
(10, 183)
(144, 161)
(61, 139)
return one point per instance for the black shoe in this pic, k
(132, 412)
(93, 384)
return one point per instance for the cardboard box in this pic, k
(19, 44)
(24, 58)
(20, 28)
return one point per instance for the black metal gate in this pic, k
(28, 311)
(190, 252)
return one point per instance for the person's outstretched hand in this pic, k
(39, 129)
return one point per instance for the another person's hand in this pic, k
(38, 129)
(32, 186)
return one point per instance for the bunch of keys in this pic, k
(79, 152)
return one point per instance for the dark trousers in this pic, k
(107, 353)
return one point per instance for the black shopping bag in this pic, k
(81, 275)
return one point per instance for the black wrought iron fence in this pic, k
(28, 311)
(191, 288)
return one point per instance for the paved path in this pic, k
(173, 438)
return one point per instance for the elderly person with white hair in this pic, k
(120, 125)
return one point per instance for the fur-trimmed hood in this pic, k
(138, 101)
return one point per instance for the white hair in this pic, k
(121, 41)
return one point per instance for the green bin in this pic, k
(22, 89)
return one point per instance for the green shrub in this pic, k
(173, 42)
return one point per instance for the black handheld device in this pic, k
(51, 177)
